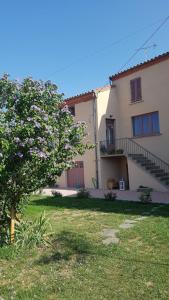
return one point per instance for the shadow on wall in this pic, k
(100, 205)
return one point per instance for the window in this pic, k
(135, 86)
(72, 110)
(110, 131)
(146, 125)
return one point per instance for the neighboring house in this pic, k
(129, 123)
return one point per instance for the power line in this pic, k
(146, 41)
(142, 46)
(101, 49)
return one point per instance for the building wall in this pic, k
(113, 168)
(137, 177)
(107, 107)
(116, 102)
(155, 97)
(84, 112)
(110, 169)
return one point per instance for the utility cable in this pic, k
(146, 41)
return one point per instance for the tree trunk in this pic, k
(12, 225)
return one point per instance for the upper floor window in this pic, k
(72, 110)
(146, 125)
(135, 86)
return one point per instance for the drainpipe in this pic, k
(95, 139)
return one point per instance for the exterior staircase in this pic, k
(153, 164)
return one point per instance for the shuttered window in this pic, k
(146, 125)
(135, 86)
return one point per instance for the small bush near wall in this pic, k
(145, 195)
(56, 194)
(83, 193)
(110, 196)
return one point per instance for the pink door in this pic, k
(75, 176)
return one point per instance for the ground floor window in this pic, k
(146, 125)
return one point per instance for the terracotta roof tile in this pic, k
(80, 98)
(140, 66)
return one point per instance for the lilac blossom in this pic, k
(41, 154)
(17, 140)
(22, 144)
(29, 119)
(19, 154)
(65, 109)
(37, 124)
(45, 118)
(35, 107)
(38, 152)
(29, 141)
(15, 98)
(76, 125)
(40, 139)
(67, 147)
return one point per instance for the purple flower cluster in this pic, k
(41, 154)
(35, 107)
(65, 109)
(19, 154)
(37, 124)
(41, 140)
(29, 141)
(17, 140)
(29, 119)
(38, 152)
(15, 99)
(67, 147)
(45, 118)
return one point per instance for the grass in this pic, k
(76, 265)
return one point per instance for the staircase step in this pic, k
(166, 182)
(148, 166)
(164, 178)
(158, 175)
(150, 163)
(143, 161)
(136, 156)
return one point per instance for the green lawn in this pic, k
(78, 266)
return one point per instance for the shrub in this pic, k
(145, 196)
(103, 148)
(29, 234)
(56, 194)
(83, 193)
(94, 182)
(110, 196)
(119, 151)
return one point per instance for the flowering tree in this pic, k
(38, 140)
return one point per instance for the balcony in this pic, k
(112, 149)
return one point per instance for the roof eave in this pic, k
(139, 67)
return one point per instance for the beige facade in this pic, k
(114, 103)
(85, 111)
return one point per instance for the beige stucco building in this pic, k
(128, 122)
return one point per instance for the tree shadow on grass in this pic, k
(67, 245)
(71, 246)
(101, 205)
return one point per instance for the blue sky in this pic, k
(75, 43)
